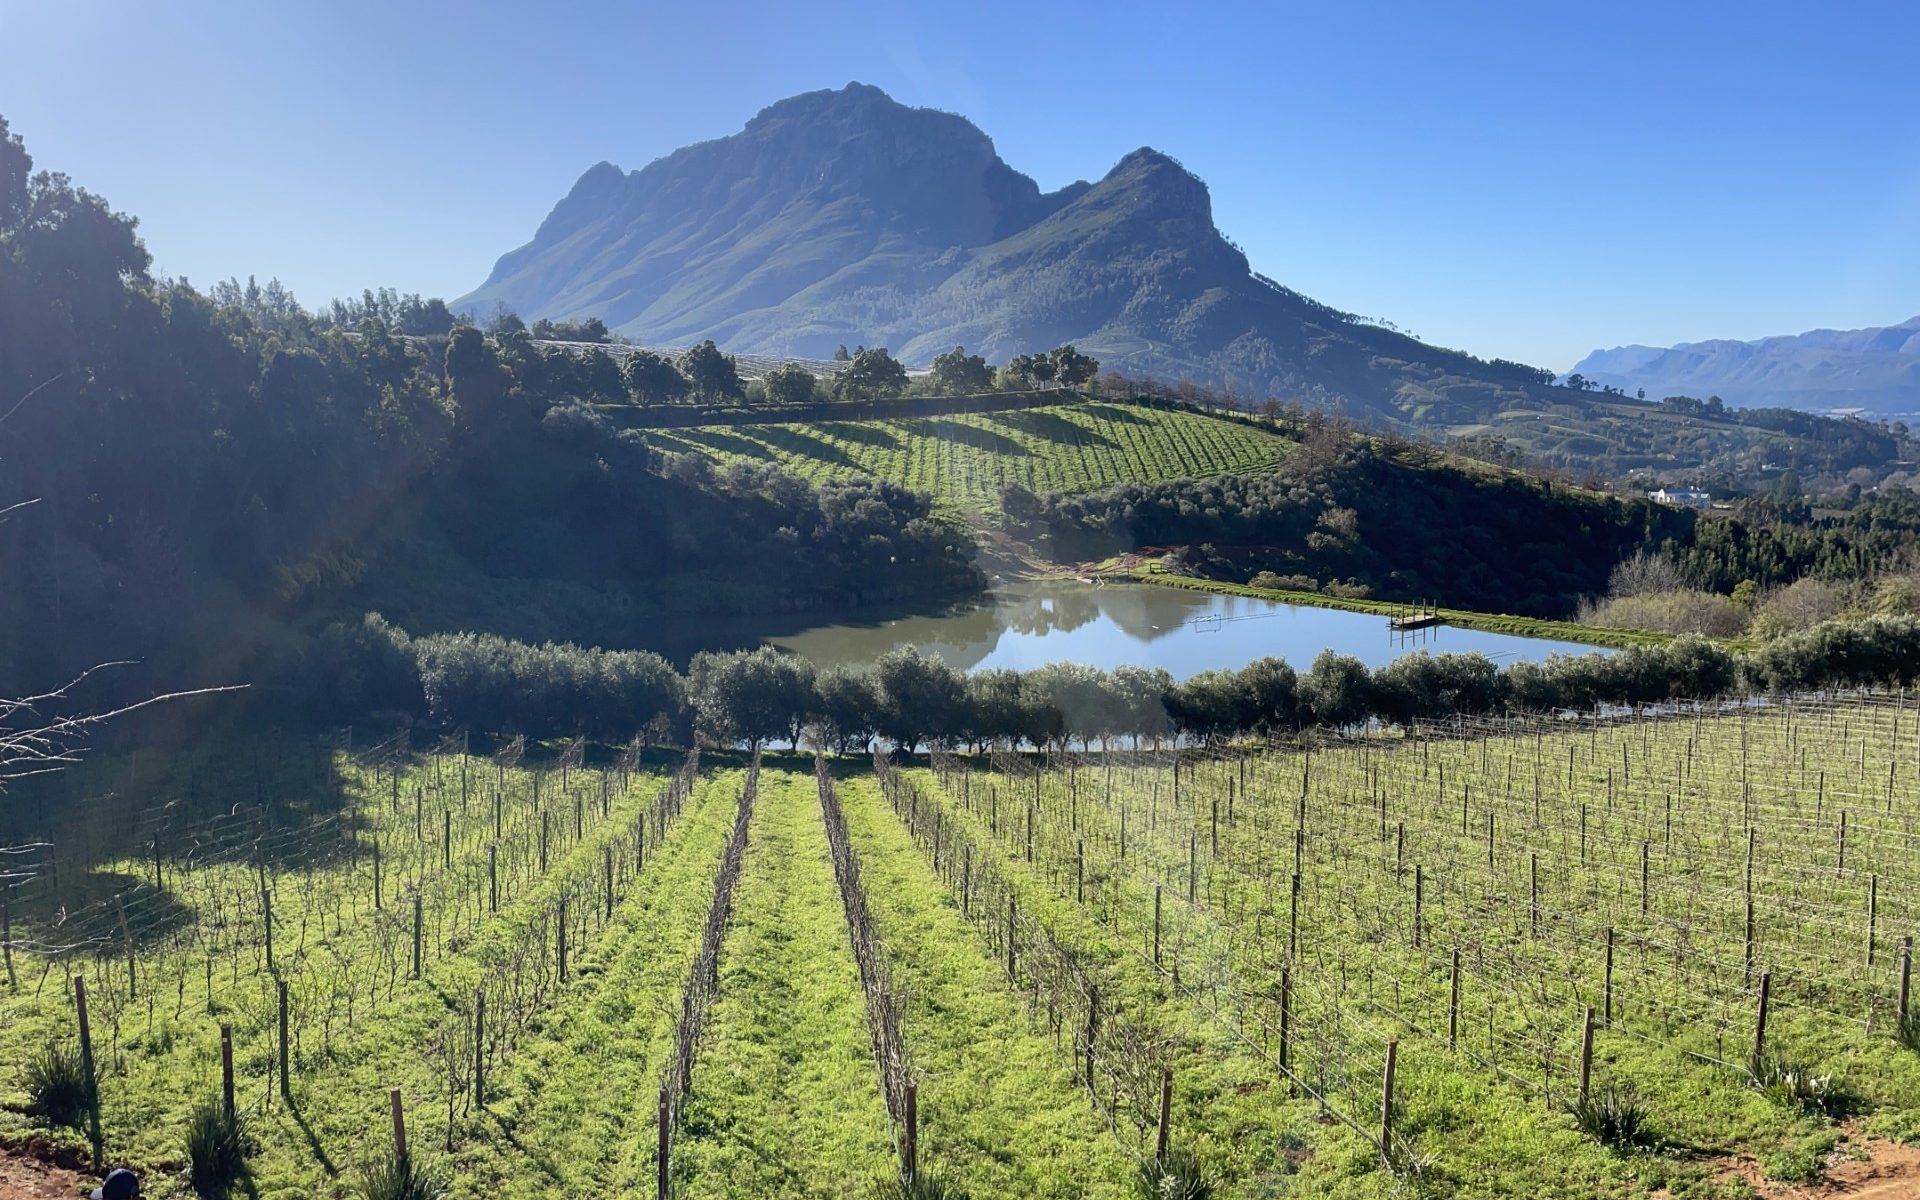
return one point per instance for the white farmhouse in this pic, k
(1690, 497)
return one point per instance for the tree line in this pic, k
(911, 700)
(1367, 516)
(192, 471)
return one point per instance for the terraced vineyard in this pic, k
(1513, 958)
(964, 460)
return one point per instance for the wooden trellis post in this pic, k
(6, 935)
(1286, 1023)
(1453, 1003)
(226, 1069)
(86, 1031)
(662, 1167)
(1760, 1026)
(1166, 1116)
(910, 1135)
(1906, 971)
(1586, 1055)
(1386, 1106)
(479, 1048)
(399, 1114)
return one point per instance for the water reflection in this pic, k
(1026, 625)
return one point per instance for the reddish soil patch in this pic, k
(23, 1178)
(1889, 1171)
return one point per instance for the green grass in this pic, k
(1009, 1122)
(965, 460)
(786, 1099)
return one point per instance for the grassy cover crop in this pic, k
(1563, 934)
(965, 460)
(1003, 1115)
(785, 1099)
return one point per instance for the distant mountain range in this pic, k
(1876, 370)
(843, 217)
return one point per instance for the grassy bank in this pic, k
(1535, 627)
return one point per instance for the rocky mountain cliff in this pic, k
(844, 217)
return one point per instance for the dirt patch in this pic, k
(24, 1178)
(1860, 1168)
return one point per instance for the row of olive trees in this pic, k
(911, 700)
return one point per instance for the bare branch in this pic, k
(51, 743)
(30, 394)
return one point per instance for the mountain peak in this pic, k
(856, 99)
(1161, 182)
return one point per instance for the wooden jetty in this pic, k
(1420, 617)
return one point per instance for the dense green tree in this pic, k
(1271, 696)
(1210, 706)
(751, 696)
(1083, 698)
(996, 712)
(593, 329)
(790, 384)
(713, 375)
(652, 379)
(1072, 368)
(1142, 695)
(919, 697)
(958, 373)
(16, 167)
(873, 374)
(1338, 691)
(845, 710)
(474, 375)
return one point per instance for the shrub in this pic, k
(925, 1186)
(576, 420)
(1179, 1177)
(1284, 583)
(393, 1177)
(56, 1083)
(1612, 1116)
(216, 1148)
(1800, 604)
(1668, 612)
(1898, 595)
(1793, 1085)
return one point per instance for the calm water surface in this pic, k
(1112, 625)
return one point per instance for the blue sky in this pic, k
(1527, 180)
